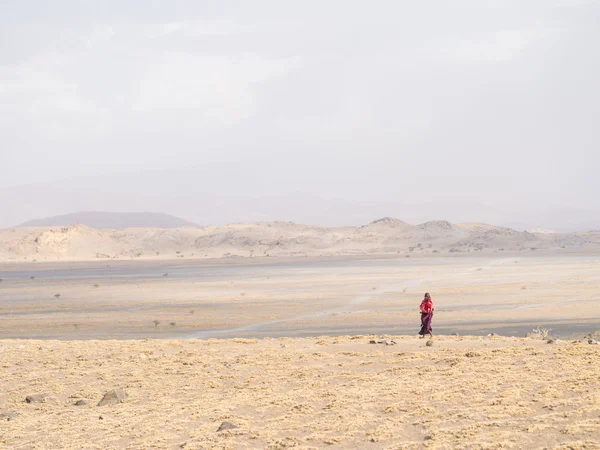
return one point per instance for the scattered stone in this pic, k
(81, 403)
(429, 343)
(593, 342)
(472, 354)
(226, 426)
(550, 341)
(382, 341)
(36, 398)
(8, 415)
(454, 334)
(113, 397)
(491, 335)
(101, 418)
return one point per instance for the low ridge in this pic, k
(111, 220)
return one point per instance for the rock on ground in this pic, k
(8, 415)
(226, 426)
(113, 397)
(36, 398)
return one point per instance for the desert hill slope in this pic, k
(384, 236)
(113, 220)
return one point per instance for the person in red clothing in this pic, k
(426, 316)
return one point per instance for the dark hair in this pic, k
(427, 295)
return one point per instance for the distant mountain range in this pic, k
(112, 220)
(387, 236)
(208, 197)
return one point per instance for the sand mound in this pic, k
(383, 236)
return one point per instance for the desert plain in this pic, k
(302, 351)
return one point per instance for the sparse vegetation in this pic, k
(540, 333)
(56, 295)
(156, 323)
(173, 324)
(76, 326)
(192, 312)
(243, 294)
(523, 288)
(96, 285)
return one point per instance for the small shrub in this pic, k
(156, 323)
(173, 324)
(540, 333)
(192, 312)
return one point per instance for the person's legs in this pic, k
(423, 330)
(429, 330)
(426, 325)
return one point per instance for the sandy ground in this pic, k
(481, 295)
(339, 392)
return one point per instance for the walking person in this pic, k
(426, 308)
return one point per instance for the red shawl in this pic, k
(426, 306)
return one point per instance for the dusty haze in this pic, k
(323, 114)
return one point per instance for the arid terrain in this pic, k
(276, 351)
(305, 393)
(299, 297)
(281, 239)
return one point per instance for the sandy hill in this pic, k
(385, 236)
(112, 220)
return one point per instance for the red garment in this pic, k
(426, 306)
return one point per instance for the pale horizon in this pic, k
(329, 114)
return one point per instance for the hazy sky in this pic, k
(492, 101)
